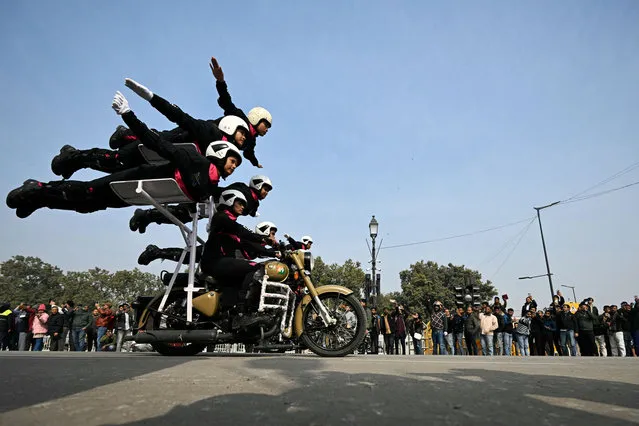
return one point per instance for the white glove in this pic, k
(120, 104)
(140, 90)
(445, 333)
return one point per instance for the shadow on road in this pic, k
(459, 396)
(29, 380)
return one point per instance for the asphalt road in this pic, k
(147, 389)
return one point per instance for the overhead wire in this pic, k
(521, 237)
(605, 181)
(468, 234)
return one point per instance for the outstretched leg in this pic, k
(153, 252)
(70, 160)
(142, 218)
(83, 197)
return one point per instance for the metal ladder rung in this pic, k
(275, 296)
(273, 306)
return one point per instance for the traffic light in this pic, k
(476, 295)
(459, 295)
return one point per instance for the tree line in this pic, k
(31, 280)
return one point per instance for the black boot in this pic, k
(150, 254)
(122, 136)
(25, 198)
(70, 160)
(142, 218)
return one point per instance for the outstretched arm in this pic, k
(224, 101)
(149, 138)
(170, 111)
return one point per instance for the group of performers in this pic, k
(220, 144)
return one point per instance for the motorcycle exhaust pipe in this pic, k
(178, 336)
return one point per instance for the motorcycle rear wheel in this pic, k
(157, 321)
(336, 340)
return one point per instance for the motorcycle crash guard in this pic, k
(307, 299)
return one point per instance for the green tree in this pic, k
(349, 274)
(29, 279)
(425, 282)
(125, 286)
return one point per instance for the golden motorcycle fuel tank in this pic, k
(207, 303)
(276, 271)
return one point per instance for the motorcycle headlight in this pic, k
(309, 262)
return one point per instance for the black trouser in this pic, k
(400, 340)
(56, 343)
(388, 344)
(557, 340)
(87, 197)
(232, 270)
(4, 340)
(587, 345)
(471, 344)
(374, 342)
(549, 343)
(92, 339)
(540, 347)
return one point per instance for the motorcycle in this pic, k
(328, 320)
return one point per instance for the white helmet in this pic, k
(258, 181)
(257, 114)
(231, 123)
(230, 196)
(307, 239)
(264, 228)
(220, 150)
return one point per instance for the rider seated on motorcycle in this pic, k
(197, 175)
(219, 256)
(258, 188)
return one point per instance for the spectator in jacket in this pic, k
(438, 325)
(40, 327)
(528, 305)
(92, 332)
(24, 315)
(400, 329)
(522, 331)
(107, 342)
(123, 325)
(601, 328)
(416, 330)
(104, 321)
(498, 335)
(618, 346)
(6, 325)
(376, 327)
(81, 321)
(567, 325)
(585, 330)
(488, 324)
(388, 329)
(507, 335)
(550, 326)
(471, 330)
(626, 311)
(634, 325)
(537, 333)
(448, 335)
(55, 327)
(68, 310)
(458, 331)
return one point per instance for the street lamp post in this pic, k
(574, 297)
(373, 228)
(543, 243)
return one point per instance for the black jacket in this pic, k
(226, 103)
(585, 321)
(199, 176)
(55, 323)
(226, 237)
(566, 321)
(527, 306)
(120, 320)
(458, 324)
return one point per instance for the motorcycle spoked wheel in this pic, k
(336, 340)
(157, 321)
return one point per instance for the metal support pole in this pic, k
(543, 243)
(374, 294)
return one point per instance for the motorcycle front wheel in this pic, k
(341, 338)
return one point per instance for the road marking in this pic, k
(608, 410)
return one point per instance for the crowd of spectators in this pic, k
(71, 326)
